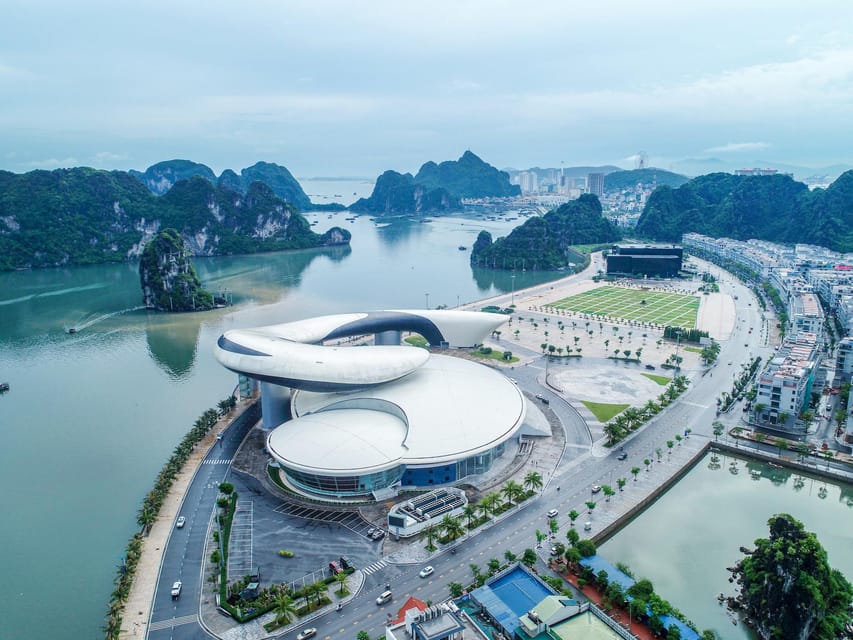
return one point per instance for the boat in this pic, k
(4, 387)
(72, 330)
(462, 247)
(755, 473)
(822, 492)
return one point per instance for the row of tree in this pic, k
(148, 512)
(633, 418)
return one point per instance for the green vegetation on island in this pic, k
(618, 180)
(436, 187)
(774, 208)
(399, 193)
(788, 589)
(87, 216)
(468, 177)
(167, 276)
(545, 243)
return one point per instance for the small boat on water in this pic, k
(4, 387)
(72, 330)
(462, 247)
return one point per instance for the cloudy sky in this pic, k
(353, 88)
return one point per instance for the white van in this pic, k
(384, 597)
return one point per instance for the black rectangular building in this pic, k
(656, 262)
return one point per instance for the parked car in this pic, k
(622, 456)
(378, 534)
(384, 597)
(650, 367)
(334, 568)
(552, 513)
(181, 521)
(542, 398)
(596, 488)
(426, 572)
(310, 632)
(176, 589)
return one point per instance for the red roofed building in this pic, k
(411, 603)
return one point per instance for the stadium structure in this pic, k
(361, 422)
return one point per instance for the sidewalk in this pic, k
(137, 610)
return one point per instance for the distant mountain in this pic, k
(705, 165)
(774, 208)
(437, 187)
(396, 193)
(87, 216)
(567, 172)
(647, 177)
(545, 243)
(468, 177)
(167, 276)
(161, 177)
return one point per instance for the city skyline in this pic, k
(354, 89)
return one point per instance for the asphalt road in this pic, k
(579, 470)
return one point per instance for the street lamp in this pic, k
(512, 279)
(427, 300)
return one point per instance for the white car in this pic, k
(176, 589)
(426, 571)
(181, 521)
(596, 488)
(310, 632)
(552, 513)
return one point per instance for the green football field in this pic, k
(639, 305)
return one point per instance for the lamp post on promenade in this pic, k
(512, 279)
(426, 295)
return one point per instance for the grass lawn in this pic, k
(693, 349)
(417, 341)
(496, 354)
(639, 305)
(661, 380)
(602, 411)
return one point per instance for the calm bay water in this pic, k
(685, 541)
(91, 417)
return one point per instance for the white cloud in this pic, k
(737, 147)
(53, 163)
(107, 157)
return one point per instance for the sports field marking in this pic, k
(637, 305)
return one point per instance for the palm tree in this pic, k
(782, 445)
(533, 480)
(540, 537)
(613, 431)
(511, 490)
(430, 533)
(470, 512)
(319, 588)
(285, 608)
(342, 579)
(491, 502)
(452, 527)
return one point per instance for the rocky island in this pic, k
(544, 243)
(437, 187)
(168, 278)
(88, 216)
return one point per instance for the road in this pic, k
(567, 489)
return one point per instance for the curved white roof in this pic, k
(292, 354)
(446, 410)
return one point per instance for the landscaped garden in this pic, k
(636, 305)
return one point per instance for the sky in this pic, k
(355, 88)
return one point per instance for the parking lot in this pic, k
(349, 519)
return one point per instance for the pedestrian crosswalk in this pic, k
(216, 461)
(373, 568)
(172, 622)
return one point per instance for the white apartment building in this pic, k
(785, 385)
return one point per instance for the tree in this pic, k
(608, 492)
(586, 548)
(590, 504)
(470, 512)
(533, 481)
(573, 557)
(509, 556)
(573, 536)
(718, 429)
(362, 635)
(573, 515)
(285, 608)
(553, 525)
(669, 445)
(788, 588)
(540, 537)
(494, 565)
(621, 482)
(430, 533)
(342, 578)
(452, 527)
(647, 462)
(456, 589)
(635, 471)
(529, 557)
(511, 490)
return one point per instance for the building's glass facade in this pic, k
(420, 477)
